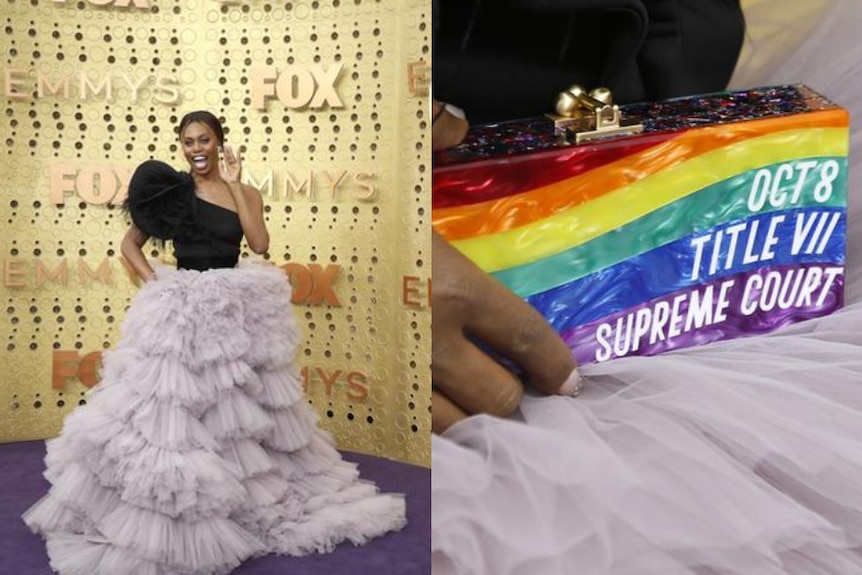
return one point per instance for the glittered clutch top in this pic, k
(649, 227)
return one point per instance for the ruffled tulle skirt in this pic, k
(743, 457)
(197, 449)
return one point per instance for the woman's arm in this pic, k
(131, 246)
(249, 204)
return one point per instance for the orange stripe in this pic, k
(527, 207)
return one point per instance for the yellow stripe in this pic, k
(562, 231)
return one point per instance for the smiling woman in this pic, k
(198, 450)
(202, 140)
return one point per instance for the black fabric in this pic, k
(203, 263)
(213, 242)
(162, 204)
(506, 59)
(160, 200)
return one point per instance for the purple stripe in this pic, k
(802, 292)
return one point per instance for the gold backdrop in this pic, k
(328, 102)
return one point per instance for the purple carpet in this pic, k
(407, 552)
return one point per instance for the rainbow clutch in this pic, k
(723, 216)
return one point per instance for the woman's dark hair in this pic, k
(203, 117)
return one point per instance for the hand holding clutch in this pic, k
(466, 380)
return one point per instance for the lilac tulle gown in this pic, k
(198, 450)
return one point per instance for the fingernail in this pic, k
(573, 385)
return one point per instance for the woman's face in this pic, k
(200, 147)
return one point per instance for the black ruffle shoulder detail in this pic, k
(161, 201)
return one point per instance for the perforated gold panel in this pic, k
(328, 103)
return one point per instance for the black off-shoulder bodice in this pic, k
(215, 244)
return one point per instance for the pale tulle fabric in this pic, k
(742, 457)
(197, 450)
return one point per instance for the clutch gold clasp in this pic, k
(583, 116)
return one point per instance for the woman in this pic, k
(197, 449)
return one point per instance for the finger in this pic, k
(506, 322)
(472, 380)
(235, 161)
(447, 130)
(444, 413)
(525, 337)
